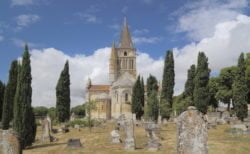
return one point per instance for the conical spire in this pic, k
(125, 41)
(113, 52)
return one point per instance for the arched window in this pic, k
(125, 53)
(126, 97)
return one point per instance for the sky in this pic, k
(82, 31)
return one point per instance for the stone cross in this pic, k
(128, 126)
(153, 141)
(9, 143)
(46, 137)
(191, 133)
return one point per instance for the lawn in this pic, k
(97, 141)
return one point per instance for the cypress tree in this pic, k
(201, 89)
(9, 96)
(189, 85)
(23, 122)
(151, 84)
(142, 96)
(63, 95)
(137, 104)
(2, 87)
(240, 90)
(167, 85)
(152, 107)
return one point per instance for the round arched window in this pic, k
(126, 97)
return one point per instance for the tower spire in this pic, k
(125, 40)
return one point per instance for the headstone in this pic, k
(159, 120)
(9, 143)
(134, 117)
(128, 126)
(115, 136)
(191, 133)
(153, 141)
(74, 143)
(77, 127)
(72, 117)
(239, 126)
(63, 129)
(46, 137)
(50, 123)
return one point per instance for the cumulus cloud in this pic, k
(26, 20)
(198, 19)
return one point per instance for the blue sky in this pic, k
(82, 26)
(82, 31)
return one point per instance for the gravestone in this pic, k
(72, 117)
(115, 136)
(153, 141)
(191, 133)
(9, 142)
(50, 123)
(159, 120)
(74, 143)
(46, 137)
(128, 127)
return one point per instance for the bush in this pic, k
(79, 110)
(84, 123)
(40, 111)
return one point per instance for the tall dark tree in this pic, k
(225, 85)
(137, 104)
(2, 89)
(152, 84)
(240, 90)
(142, 96)
(189, 85)
(63, 95)
(24, 121)
(201, 89)
(213, 89)
(248, 75)
(152, 107)
(167, 85)
(9, 96)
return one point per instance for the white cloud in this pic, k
(1, 38)
(151, 40)
(198, 19)
(21, 2)
(20, 43)
(25, 20)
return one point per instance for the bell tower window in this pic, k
(125, 53)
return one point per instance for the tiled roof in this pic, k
(99, 88)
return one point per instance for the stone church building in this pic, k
(115, 99)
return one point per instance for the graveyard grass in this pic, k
(98, 141)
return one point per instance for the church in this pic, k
(115, 99)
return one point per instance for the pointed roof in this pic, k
(125, 40)
(113, 52)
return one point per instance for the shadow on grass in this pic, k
(44, 145)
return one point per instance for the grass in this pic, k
(98, 142)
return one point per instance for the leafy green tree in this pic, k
(137, 104)
(9, 96)
(40, 111)
(52, 113)
(24, 121)
(213, 89)
(79, 110)
(225, 85)
(90, 106)
(189, 85)
(167, 85)
(201, 95)
(63, 95)
(2, 89)
(240, 90)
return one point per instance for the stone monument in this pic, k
(9, 143)
(153, 141)
(191, 133)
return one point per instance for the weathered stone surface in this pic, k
(9, 143)
(115, 136)
(46, 137)
(159, 120)
(191, 133)
(153, 140)
(72, 117)
(128, 126)
(239, 126)
(74, 143)
(50, 123)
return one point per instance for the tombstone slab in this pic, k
(153, 140)
(9, 143)
(191, 133)
(74, 143)
(115, 136)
